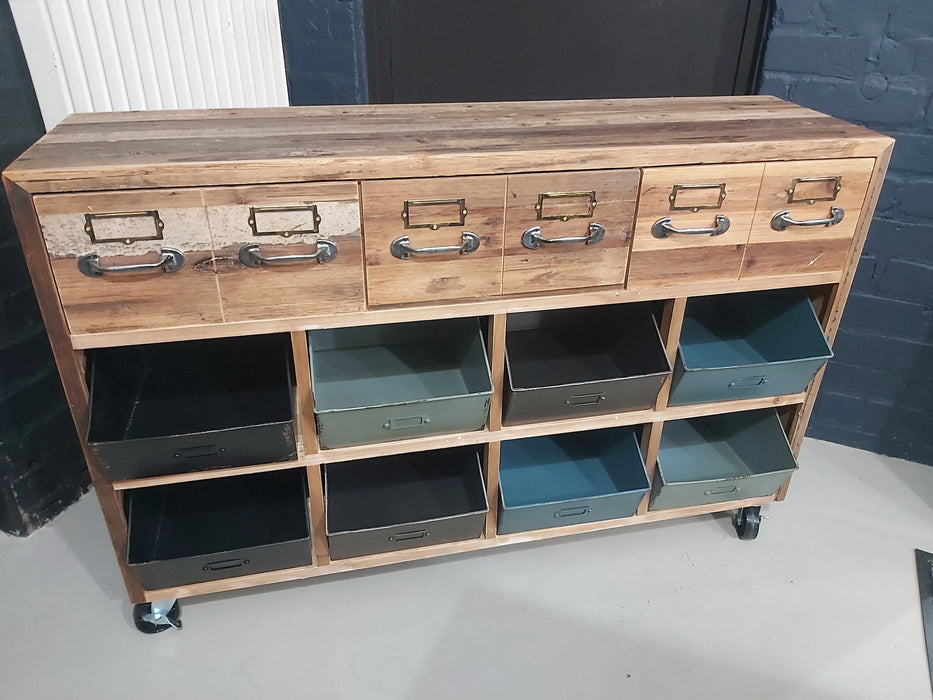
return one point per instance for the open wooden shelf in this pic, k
(438, 550)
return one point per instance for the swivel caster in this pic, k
(747, 521)
(152, 618)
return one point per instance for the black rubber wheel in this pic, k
(747, 521)
(142, 609)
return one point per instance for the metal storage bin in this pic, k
(567, 479)
(391, 382)
(582, 362)
(218, 528)
(404, 501)
(181, 407)
(740, 346)
(721, 458)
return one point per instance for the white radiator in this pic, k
(108, 55)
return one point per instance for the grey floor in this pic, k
(823, 605)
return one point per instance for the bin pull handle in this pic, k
(663, 228)
(533, 238)
(572, 512)
(197, 451)
(781, 220)
(225, 564)
(401, 247)
(250, 256)
(171, 261)
(413, 535)
(586, 399)
(723, 490)
(747, 382)
(410, 422)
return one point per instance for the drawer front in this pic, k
(122, 229)
(703, 199)
(568, 230)
(806, 192)
(283, 251)
(461, 216)
(697, 493)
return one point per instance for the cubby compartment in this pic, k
(567, 479)
(720, 458)
(582, 362)
(391, 382)
(741, 346)
(218, 528)
(404, 501)
(180, 407)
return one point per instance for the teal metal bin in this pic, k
(567, 479)
(391, 382)
(721, 458)
(741, 346)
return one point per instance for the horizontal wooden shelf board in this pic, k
(478, 437)
(124, 150)
(540, 302)
(376, 560)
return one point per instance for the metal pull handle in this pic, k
(782, 220)
(586, 399)
(411, 422)
(662, 228)
(172, 261)
(747, 382)
(571, 512)
(722, 491)
(532, 238)
(251, 257)
(413, 535)
(401, 247)
(199, 451)
(225, 564)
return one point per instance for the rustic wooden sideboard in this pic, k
(145, 229)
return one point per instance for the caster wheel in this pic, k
(152, 618)
(747, 521)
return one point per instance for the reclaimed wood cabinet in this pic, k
(157, 228)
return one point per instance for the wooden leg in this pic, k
(492, 487)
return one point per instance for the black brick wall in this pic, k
(41, 467)
(871, 62)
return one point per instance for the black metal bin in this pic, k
(404, 501)
(582, 362)
(205, 530)
(181, 407)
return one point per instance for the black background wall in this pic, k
(41, 468)
(871, 62)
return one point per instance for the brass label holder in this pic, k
(836, 181)
(315, 218)
(589, 205)
(677, 189)
(410, 204)
(157, 223)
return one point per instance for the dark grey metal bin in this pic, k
(217, 528)
(740, 346)
(720, 458)
(180, 407)
(582, 362)
(404, 501)
(567, 479)
(391, 382)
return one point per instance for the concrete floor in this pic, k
(823, 605)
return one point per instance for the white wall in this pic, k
(110, 55)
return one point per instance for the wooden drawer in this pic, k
(568, 230)
(700, 197)
(130, 228)
(254, 228)
(807, 191)
(463, 215)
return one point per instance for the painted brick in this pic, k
(853, 412)
(908, 280)
(916, 198)
(895, 105)
(873, 315)
(923, 58)
(909, 18)
(897, 239)
(913, 152)
(865, 274)
(838, 56)
(910, 359)
(890, 193)
(895, 57)
(799, 12)
(773, 84)
(868, 17)
(873, 383)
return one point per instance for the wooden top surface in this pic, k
(238, 146)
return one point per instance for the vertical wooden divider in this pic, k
(495, 347)
(307, 428)
(832, 314)
(671, 322)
